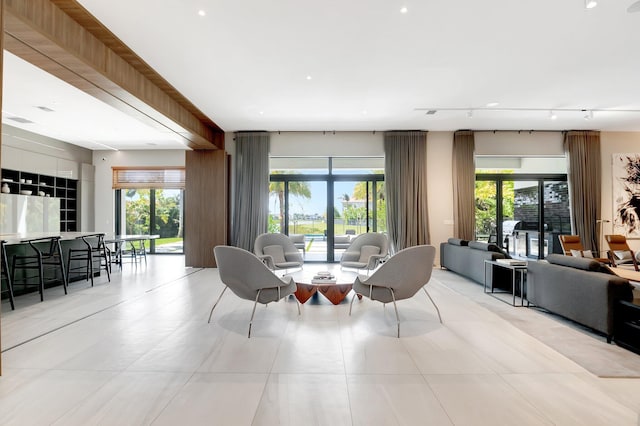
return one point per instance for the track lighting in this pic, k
(552, 115)
(470, 113)
(588, 115)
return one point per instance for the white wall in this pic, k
(614, 143)
(338, 144)
(105, 160)
(440, 187)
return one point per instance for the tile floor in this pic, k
(139, 351)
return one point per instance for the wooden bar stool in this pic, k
(5, 273)
(47, 257)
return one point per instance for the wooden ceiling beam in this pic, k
(62, 38)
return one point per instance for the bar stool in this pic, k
(5, 273)
(47, 257)
(94, 249)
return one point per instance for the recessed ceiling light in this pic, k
(492, 104)
(308, 77)
(590, 4)
(261, 113)
(403, 10)
(364, 111)
(202, 13)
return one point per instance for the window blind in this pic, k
(148, 177)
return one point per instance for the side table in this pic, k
(518, 274)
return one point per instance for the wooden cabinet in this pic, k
(65, 189)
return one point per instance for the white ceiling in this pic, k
(245, 65)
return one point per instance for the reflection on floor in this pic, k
(139, 351)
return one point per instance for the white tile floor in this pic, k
(139, 351)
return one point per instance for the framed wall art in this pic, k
(625, 171)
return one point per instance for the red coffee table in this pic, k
(335, 292)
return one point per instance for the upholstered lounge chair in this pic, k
(366, 251)
(572, 246)
(250, 279)
(619, 251)
(277, 251)
(400, 277)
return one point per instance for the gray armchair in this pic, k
(250, 279)
(277, 251)
(400, 277)
(366, 251)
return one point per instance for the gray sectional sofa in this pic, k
(467, 257)
(579, 289)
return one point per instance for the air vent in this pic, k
(44, 108)
(431, 112)
(20, 120)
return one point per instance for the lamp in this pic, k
(601, 236)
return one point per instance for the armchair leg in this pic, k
(434, 304)
(393, 298)
(216, 304)
(351, 304)
(253, 312)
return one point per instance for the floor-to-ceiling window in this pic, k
(154, 209)
(523, 212)
(329, 200)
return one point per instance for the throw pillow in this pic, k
(366, 252)
(582, 253)
(622, 254)
(276, 252)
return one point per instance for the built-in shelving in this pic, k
(46, 186)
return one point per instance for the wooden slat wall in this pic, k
(95, 61)
(206, 206)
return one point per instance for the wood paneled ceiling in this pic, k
(62, 38)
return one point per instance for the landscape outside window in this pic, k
(156, 211)
(352, 193)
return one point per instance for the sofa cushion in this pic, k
(367, 251)
(583, 263)
(458, 242)
(479, 245)
(276, 252)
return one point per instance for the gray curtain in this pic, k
(406, 186)
(464, 178)
(582, 149)
(251, 197)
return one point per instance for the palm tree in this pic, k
(298, 189)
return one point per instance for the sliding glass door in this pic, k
(328, 201)
(153, 211)
(523, 214)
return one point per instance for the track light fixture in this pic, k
(470, 113)
(588, 115)
(552, 115)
